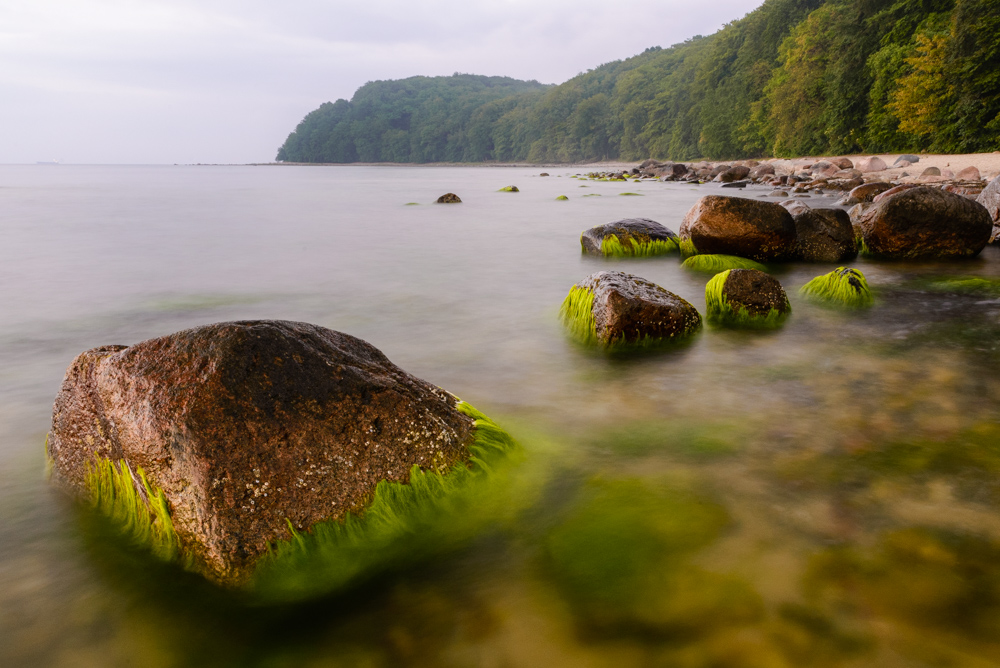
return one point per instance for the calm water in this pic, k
(826, 495)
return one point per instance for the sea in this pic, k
(824, 494)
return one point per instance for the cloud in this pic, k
(225, 81)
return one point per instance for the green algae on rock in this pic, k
(745, 298)
(716, 263)
(213, 445)
(630, 237)
(509, 189)
(843, 287)
(618, 311)
(562, 197)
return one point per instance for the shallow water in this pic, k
(823, 495)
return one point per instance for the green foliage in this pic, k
(612, 246)
(842, 287)
(716, 263)
(791, 77)
(403, 523)
(133, 506)
(721, 313)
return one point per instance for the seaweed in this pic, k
(717, 263)
(562, 197)
(403, 523)
(630, 194)
(719, 312)
(136, 508)
(612, 246)
(841, 287)
(687, 247)
(577, 314)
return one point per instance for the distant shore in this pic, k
(987, 163)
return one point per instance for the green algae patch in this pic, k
(987, 287)
(135, 508)
(841, 287)
(561, 198)
(592, 195)
(412, 204)
(721, 313)
(624, 558)
(687, 248)
(403, 523)
(716, 263)
(612, 246)
(509, 189)
(629, 195)
(577, 314)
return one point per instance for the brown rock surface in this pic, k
(643, 230)
(755, 291)
(449, 198)
(761, 231)
(245, 424)
(925, 222)
(824, 235)
(628, 309)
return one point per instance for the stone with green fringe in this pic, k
(745, 298)
(509, 189)
(615, 311)
(283, 459)
(841, 287)
(761, 231)
(631, 237)
(715, 263)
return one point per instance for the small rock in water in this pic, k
(746, 298)
(613, 309)
(544, 174)
(630, 236)
(509, 189)
(449, 198)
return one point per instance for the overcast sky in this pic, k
(184, 81)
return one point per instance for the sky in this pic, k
(225, 81)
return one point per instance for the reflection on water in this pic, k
(824, 495)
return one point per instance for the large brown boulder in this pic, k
(746, 298)
(761, 170)
(990, 198)
(925, 222)
(628, 310)
(249, 426)
(762, 231)
(635, 233)
(734, 173)
(866, 192)
(870, 164)
(824, 235)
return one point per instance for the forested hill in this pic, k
(794, 77)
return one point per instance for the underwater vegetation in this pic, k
(716, 263)
(402, 523)
(842, 286)
(720, 311)
(577, 315)
(989, 287)
(612, 246)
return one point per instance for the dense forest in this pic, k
(793, 77)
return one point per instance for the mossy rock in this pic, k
(746, 298)
(562, 198)
(449, 198)
(716, 263)
(615, 311)
(630, 237)
(509, 189)
(841, 287)
(280, 459)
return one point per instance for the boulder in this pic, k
(969, 174)
(745, 298)
(824, 235)
(990, 198)
(895, 189)
(449, 198)
(845, 184)
(670, 170)
(931, 171)
(761, 231)
(649, 162)
(734, 173)
(632, 236)
(613, 309)
(847, 174)
(544, 174)
(925, 222)
(866, 192)
(908, 158)
(855, 213)
(871, 164)
(761, 170)
(947, 173)
(902, 164)
(718, 169)
(843, 163)
(234, 432)
(509, 189)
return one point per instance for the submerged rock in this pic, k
(746, 298)
(761, 231)
(509, 189)
(925, 222)
(449, 198)
(233, 433)
(630, 236)
(841, 287)
(613, 309)
(824, 235)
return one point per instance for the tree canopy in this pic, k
(793, 77)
